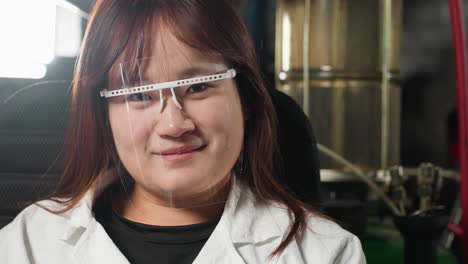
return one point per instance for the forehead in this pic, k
(163, 57)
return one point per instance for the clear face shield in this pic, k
(178, 129)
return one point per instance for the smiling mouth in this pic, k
(180, 153)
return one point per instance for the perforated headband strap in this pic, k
(231, 73)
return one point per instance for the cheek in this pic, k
(127, 128)
(221, 118)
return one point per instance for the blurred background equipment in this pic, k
(341, 61)
(350, 68)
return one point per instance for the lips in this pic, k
(179, 154)
(180, 150)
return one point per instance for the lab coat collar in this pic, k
(245, 220)
(81, 217)
(249, 219)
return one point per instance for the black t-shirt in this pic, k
(143, 244)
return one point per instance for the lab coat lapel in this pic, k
(244, 223)
(248, 218)
(291, 254)
(219, 249)
(96, 248)
(91, 244)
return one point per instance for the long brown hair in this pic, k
(114, 30)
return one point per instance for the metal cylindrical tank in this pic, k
(339, 59)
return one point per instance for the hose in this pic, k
(358, 172)
(458, 36)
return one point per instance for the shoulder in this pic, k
(36, 219)
(321, 240)
(31, 215)
(332, 240)
(33, 230)
(266, 223)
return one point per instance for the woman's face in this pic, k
(172, 153)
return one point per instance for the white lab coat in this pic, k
(247, 232)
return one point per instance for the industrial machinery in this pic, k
(340, 60)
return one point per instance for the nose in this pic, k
(173, 121)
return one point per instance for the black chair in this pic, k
(300, 154)
(299, 150)
(32, 128)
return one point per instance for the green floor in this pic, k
(384, 245)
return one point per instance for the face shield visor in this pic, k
(178, 129)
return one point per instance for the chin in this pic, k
(177, 182)
(188, 184)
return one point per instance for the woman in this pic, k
(171, 153)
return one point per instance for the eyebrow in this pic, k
(196, 70)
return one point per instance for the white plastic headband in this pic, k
(229, 74)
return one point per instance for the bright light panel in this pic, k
(68, 30)
(26, 70)
(27, 30)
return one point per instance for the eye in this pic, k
(139, 97)
(198, 88)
